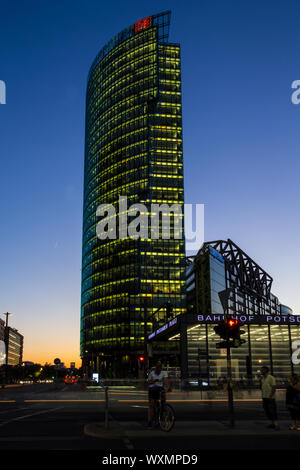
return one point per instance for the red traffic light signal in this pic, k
(233, 328)
(141, 362)
(231, 323)
(229, 329)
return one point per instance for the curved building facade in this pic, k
(133, 149)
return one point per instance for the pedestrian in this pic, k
(292, 400)
(268, 388)
(219, 383)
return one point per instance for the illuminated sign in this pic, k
(256, 319)
(142, 24)
(247, 319)
(164, 327)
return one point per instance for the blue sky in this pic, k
(241, 144)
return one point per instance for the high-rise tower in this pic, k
(133, 148)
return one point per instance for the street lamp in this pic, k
(6, 348)
(7, 315)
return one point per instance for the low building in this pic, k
(270, 328)
(2, 330)
(14, 346)
(2, 342)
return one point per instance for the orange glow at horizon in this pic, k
(42, 358)
(44, 346)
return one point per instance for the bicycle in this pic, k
(164, 414)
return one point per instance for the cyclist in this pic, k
(158, 385)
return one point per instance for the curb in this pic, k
(117, 431)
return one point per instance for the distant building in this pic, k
(2, 329)
(2, 342)
(61, 365)
(14, 346)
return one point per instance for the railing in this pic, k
(209, 391)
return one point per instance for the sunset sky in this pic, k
(241, 144)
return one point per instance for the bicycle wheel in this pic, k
(166, 418)
(156, 414)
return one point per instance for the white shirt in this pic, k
(160, 377)
(267, 384)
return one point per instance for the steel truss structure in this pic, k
(244, 273)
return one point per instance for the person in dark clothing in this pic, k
(268, 388)
(292, 400)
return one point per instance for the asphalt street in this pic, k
(55, 417)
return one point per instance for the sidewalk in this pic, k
(137, 430)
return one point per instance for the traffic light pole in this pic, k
(229, 329)
(224, 296)
(229, 376)
(146, 365)
(4, 371)
(229, 387)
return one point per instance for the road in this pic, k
(54, 417)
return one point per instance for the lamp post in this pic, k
(6, 348)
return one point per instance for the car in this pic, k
(71, 379)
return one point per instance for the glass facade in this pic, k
(14, 347)
(269, 345)
(217, 281)
(211, 273)
(133, 148)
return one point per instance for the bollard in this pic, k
(106, 407)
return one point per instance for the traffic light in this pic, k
(221, 329)
(229, 330)
(141, 362)
(233, 328)
(234, 332)
(169, 308)
(238, 341)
